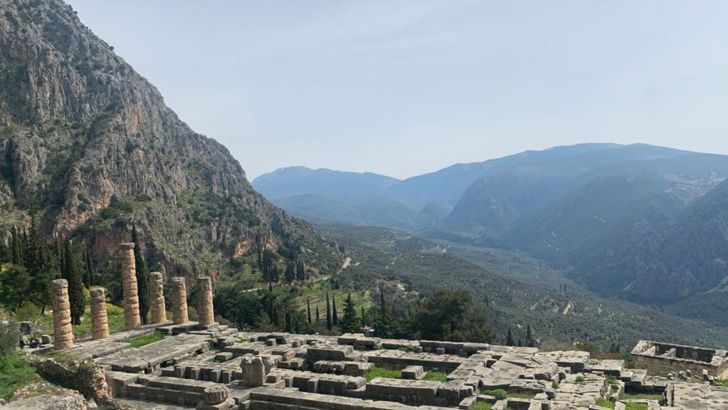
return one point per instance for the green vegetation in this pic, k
(635, 406)
(14, 373)
(499, 394)
(579, 379)
(144, 340)
(436, 375)
(605, 403)
(481, 405)
(382, 372)
(722, 382)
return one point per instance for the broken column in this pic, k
(62, 329)
(254, 372)
(99, 319)
(129, 283)
(179, 301)
(205, 310)
(156, 297)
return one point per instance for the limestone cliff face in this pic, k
(88, 144)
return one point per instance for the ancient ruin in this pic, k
(205, 310)
(665, 359)
(99, 320)
(179, 301)
(62, 329)
(207, 365)
(156, 297)
(132, 319)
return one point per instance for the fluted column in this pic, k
(99, 319)
(62, 328)
(179, 301)
(156, 297)
(205, 311)
(129, 283)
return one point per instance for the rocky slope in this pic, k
(89, 147)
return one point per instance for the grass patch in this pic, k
(140, 341)
(636, 406)
(605, 403)
(436, 375)
(579, 379)
(499, 394)
(722, 382)
(481, 405)
(382, 372)
(15, 372)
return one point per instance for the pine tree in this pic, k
(71, 273)
(328, 313)
(335, 315)
(308, 310)
(142, 275)
(318, 316)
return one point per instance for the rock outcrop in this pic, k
(90, 145)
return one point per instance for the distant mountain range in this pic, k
(642, 222)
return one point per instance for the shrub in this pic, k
(9, 337)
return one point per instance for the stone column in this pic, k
(204, 310)
(156, 297)
(179, 301)
(62, 329)
(129, 283)
(99, 320)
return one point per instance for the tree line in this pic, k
(30, 261)
(446, 315)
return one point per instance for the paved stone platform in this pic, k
(221, 368)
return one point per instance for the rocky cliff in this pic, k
(89, 147)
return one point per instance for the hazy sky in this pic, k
(407, 87)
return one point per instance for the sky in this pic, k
(407, 87)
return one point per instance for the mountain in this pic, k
(88, 148)
(350, 187)
(324, 194)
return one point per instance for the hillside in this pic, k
(88, 148)
(500, 286)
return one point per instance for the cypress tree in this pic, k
(349, 323)
(509, 338)
(88, 278)
(71, 273)
(308, 310)
(318, 316)
(141, 276)
(328, 313)
(335, 315)
(530, 341)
